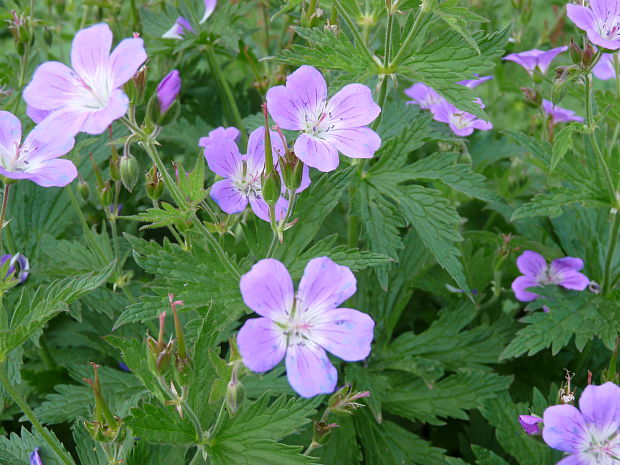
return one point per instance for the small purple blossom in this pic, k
(559, 114)
(168, 90)
(230, 133)
(123, 366)
(601, 21)
(182, 25)
(604, 69)
(562, 271)
(530, 423)
(18, 264)
(535, 58)
(35, 458)
(301, 327)
(242, 173)
(87, 98)
(588, 434)
(37, 158)
(327, 126)
(461, 122)
(423, 96)
(473, 83)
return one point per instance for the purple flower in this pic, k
(21, 261)
(535, 58)
(242, 173)
(589, 434)
(559, 114)
(123, 366)
(601, 21)
(230, 133)
(562, 271)
(473, 83)
(87, 98)
(423, 96)
(37, 159)
(461, 122)
(302, 326)
(168, 89)
(605, 69)
(328, 126)
(530, 423)
(35, 458)
(182, 25)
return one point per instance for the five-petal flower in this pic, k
(532, 59)
(601, 21)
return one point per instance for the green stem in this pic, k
(387, 47)
(21, 402)
(410, 37)
(617, 69)
(5, 202)
(611, 252)
(358, 38)
(197, 457)
(382, 100)
(611, 370)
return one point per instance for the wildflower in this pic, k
(328, 126)
(532, 59)
(473, 83)
(562, 271)
(601, 21)
(604, 69)
(37, 158)
(242, 173)
(182, 25)
(231, 133)
(301, 327)
(168, 90)
(461, 122)
(559, 114)
(87, 98)
(18, 264)
(530, 423)
(423, 96)
(35, 458)
(588, 434)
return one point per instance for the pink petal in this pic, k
(604, 69)
(51, 173)
(531, 263)
(283, 108)
(97, 122)
(600, 405)
(309, 371)
(576, 459)
(309, 88)
(565, 428)
(316, 153)
(520, 285)
(352, 106)
(545, 59)
(222, 154)
(47, 142)
(567, 263)
(261, 209)
(52, 85)
(261, 343)
(209, 8)
(90, 52)
(227, 197)
(324, 285)
(126, 59)
(37, 115)
(359, 142)
(344, 332)
(71, 122)
(10, 131)
(268, 289)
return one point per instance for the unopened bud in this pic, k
(84, 190)
(115, 172)
(106, 195)
(130, 171)
(154, 184)
(135, 87)
(159, 353)
(575, 52)
(587, 56)
(163, 107)
(292, 172)
(344, 400)
(271, 187)
(532, 97)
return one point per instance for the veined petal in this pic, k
(66, 121)
(352, 106)
(359, 142)
(268, 289)
(126, 59)
(52, 86)
(37, 115)
(261, 343)
(324, 285)
(344, 332)
(576, 459)
(600, 405)
(565, 428)
(256, 150)
(309, 88)
(10, 131)
(284, 109)
(227, 197)
(222, 154)
(261, 209)
(50, 173)
(97, 121)
(520, 285)
(545, 59)
(90, 51)
(309, 371)
(47, 142)
(531, 263)
(317, 153)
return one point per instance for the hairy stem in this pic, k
(611, 252)
(5, 202)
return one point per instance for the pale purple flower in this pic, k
(461, 122)
(530, 423)
(559, 114)
(168, 90)
(605, 69)
(328, 126)
(473, 83)
(562, 271)
(242, 173)
(37, 158)
(230, 133)
(601, 21)
(590, 434)
(535, 58)
(181, 25)
(87, 98)
(18, 264)
(423, 96)
(301, 327)
(35, 458)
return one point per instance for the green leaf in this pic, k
(562, 143)
(16, 450)
(458, 19)
(159, 217)
(486, 457)
(550, 203)
(161, 425)
(342, 445)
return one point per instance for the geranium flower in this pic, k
(35, 458)
(87, 98)
(37, 159)
(601, 21)
(181, 25)
(605, 69)
(562, 271)
(530, 423)
(242, 173)
(301, 327)
(590, 434)
(230, 133)
(473, 83)
(17, 262)
(461, 122)
(559, 114)
(423, 96)
(168, 89)
(328, 126)
(535, 58)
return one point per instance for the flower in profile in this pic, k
(301, 327)
(37, 158)
(562, 271)
(35, 458)
(601, 21)
(423, 96)
(328, 126)
(530, 423)
(461, 122)
(604, 69)
(473, 83)
(242, 173)
(588, 434)
(18, 264)
(87, 98)
(182, 25)
(559, 114)
(168, 90)
(532, 59)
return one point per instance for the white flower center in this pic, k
(460, 120)
(15, 159)
(318, 123)
(93, 92)
(603, 447)
(248, 184)
(609, 28)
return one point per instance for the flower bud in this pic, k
(587, 56)
(106, 195)
(115, 172)
(292, 171)
(106, 427)
(19, 265)
(532, 97)
(344, 400)
(84, 190)
(130, 171)
(154, 184)
(235, 392)
(163, 106)
(530, 423)
(19, 25)
(135, 87)
(159, 353)
(575, 52)
(271, 187)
